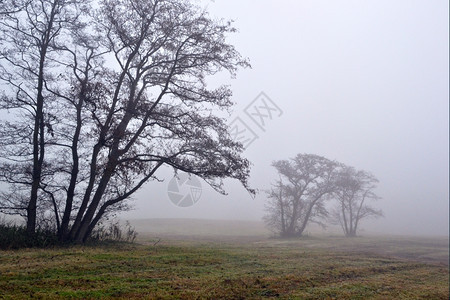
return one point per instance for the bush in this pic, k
(13, 236)
(114, 231)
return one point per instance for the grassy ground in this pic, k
(313, 268)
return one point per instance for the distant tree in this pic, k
(125, 94)
(353, 190)
(298, 197)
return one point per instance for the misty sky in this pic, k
(365, 83)
(361, 82)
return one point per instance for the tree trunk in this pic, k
(39, 126)
(81, 234)
(64, 234)
(305, 221)
(38, 151)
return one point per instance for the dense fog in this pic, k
(363, 83)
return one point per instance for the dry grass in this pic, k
(312, 268)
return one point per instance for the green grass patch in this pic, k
(192, 270)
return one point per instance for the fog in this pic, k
(361, 82)
(365, 83)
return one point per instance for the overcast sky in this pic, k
(361, 82)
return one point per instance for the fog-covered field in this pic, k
(420, 248)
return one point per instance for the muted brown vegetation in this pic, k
(205, 259)
(314, 268)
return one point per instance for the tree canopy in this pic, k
(298, 197)
(102, 94)
(307, 183)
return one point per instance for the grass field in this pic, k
(232, 267)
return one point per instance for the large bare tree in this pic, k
(353, 190)
(130, 95)
(29, 31)
(298, 197)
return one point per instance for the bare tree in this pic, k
(298, 197)
(131, 96)
(278, 209)
(353, 190)
(29, 31)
